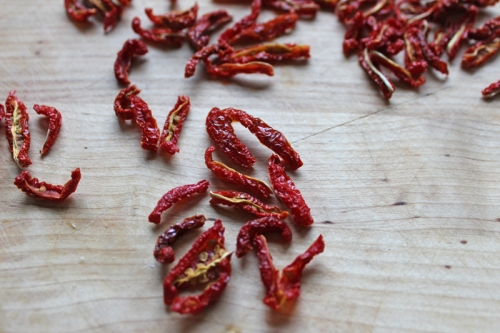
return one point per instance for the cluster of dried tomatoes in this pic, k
(19, 139)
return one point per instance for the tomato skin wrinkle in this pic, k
(17, 130)
(163, 251)
(285, 189)
(121, 105)
(174, 195)
(198, 33)
(55, 123)
(173, 125)
(44, 191)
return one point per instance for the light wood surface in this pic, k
(410, 187)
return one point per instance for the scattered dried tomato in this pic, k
(44, 191)
(286, 190)
(414, 57)
(198, 33)
(77, 11)
(283, 286)
(55, 123)
(200, 55)
(403, 74)
(16, 129)
(176, 20)
(431, 58)
(488, 29)
(269, 52)
(112, 12)
(465, 25)
(491, 90)
(257, 227)
(163, 251)
(226, 70)
(123, 109)
(268, 30)
(131, 48)
(159, 35)
(226, 173)
(247, 203)
(479, 53)
(173, 125)
(219, 129)
(207, 262)
(144, 118)
(174, 195)
(304, 8)
(385, 86)
(352, 36)
(245, 23)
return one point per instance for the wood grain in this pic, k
(406, 192)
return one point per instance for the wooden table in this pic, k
(406, 193)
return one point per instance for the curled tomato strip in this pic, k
(77, 11)
(282, 287)
(198, 33)
(176, 20)
(260, 226)
(385, 86)
(245, 23)
(304, 8)
(247, 203)
(112, 12)
(144, 118)
(174, 195)
(45, 191)
(55, 123)
(17, 130)
(269, 52)
(173, 125)
(163, 251)
(491, 90)
(267, 30)
(122, 107)
(228, 174)
(207, 262)
(159, 35)
(285, 189)
(131, 48)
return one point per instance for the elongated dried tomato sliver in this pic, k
(174, 195)
(269, 52)
(491, 90)
(244, 23)
(385, 86)
(173, 125)
(226, 70)
(283, 286)
(122, 107)
(131, 48)
(55, 123)
(112, 12)
(268, 30)
(460, 35)
(45, 191)
(77, 11)
(429, 55)
(207, 262)
(414, 57)
(163, 251)
(285, 189)
(17, 130)
(221, 131)
(258, 227)
(176, 20)
(198, 33)
(304, 8)
(247, 203)
(402, 73)
(200, 55)
(479, 53)
(352, 37)
(144, 118)
(228, 174)
(159, 35)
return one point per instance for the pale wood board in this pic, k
(431, 264)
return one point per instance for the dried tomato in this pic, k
(200, 55)
(414, 57)
(283, 286)
(431, 58)
(144, 118)
(77, 11)
(352, 36)
(221, 132)
(173, 125)
(163, 251)
(488, 29)
(479, 53)
(159, 35)
(491, 90)
(16, 129)
(304, 8)
(247, 203)
(112, 12)
(2, 112)
(219, 129)
(174, 195)
(198, 33)
(385, 86)
(176, 20)
(45, 191)
(285, 189)
(123, 109)
(269, 52)
(465, 25)
(258, 227)
(267, 30)
(131, 48)
(245, 23)
(402, 73)
(55, 123)
(207, 262)
(226, 70)
(228, 174)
